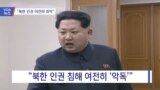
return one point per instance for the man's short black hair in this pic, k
(84, 18)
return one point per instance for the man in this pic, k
(76, 53)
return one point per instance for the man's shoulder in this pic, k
(102, 47)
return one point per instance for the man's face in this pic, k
(72, 37)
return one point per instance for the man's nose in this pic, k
(68, 36)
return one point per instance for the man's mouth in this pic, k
(69, 44)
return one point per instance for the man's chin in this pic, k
(70, 50)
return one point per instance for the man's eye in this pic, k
(62, 32)
(75, 32)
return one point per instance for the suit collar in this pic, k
(86, 53)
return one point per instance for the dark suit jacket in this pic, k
(93, 57)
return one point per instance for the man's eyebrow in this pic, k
(68, 29)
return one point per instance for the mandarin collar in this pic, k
(86, 53)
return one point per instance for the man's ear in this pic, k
(90, 32)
